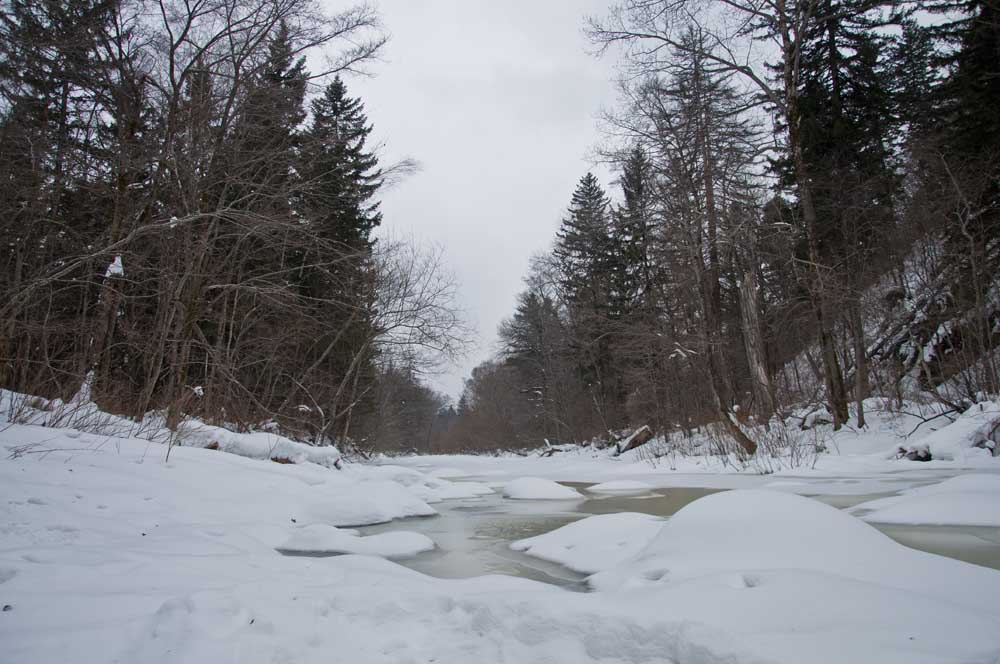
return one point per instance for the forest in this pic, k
(188, 204)
(806, 215)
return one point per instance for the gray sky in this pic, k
(497, 100)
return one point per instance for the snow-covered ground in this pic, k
(109, 553)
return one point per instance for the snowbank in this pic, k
(973, 436)
(255, 445)
(596, 543)
(968, 500)
(536, 488)
(323, 539)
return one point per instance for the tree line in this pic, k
(188, 196)
(807, 212)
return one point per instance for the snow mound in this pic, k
(747, 532)
(365, 503)
(596, 543)
(536, 488)
(967, 500)
(319, 539)
(620, 487)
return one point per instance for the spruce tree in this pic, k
(342, 176)
(914, 83)
(630, 235)
(583, 245)
(274, 109)
(967, 178)
(845, 116)
(585, 255)
(971, 91)
(340, 181)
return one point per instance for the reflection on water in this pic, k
(473, 536)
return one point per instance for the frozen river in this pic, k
(473, 536)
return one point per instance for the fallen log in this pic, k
(637, 438)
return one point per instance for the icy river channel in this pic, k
(473, 536)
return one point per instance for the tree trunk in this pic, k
(753, 339)
(860, 360)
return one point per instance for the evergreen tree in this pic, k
(340, 181)
(534, 345)
(583, 246)
(915, 82)
(965, 182)
(845, 116)
(971, 91)
(970, 137)
(274, 109)
(342, 176)
(630, 235)
(586, 259)
(52, 198)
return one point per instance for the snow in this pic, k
(593, 544)
(970, 437)
(535, 488)
(109, 553)
(969, 500)
(115, 268)
(620, 487)
(432, 489)
(778, 531)
(255, 445)
(788, 573)
(320, 538)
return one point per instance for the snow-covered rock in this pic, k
(536, 488)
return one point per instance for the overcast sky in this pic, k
(497, 100)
